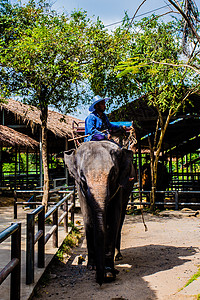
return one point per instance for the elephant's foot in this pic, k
(110, 274)
(118, 256)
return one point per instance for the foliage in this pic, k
(194, 277)
(160, 76)
(44, 56)
(107, 50)
(43, 59)
(69, 242)
(162, 84)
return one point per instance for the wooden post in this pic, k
(66, 217)
(55, 234)
(41, 171)
(15, 205)
(15, 168)
(139, 168)
(27, 168)
(66, 170)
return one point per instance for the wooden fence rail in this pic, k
(14, 266)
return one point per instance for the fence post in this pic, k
(41, 242)
(30, 249)
(15, 205)
(55, 234)
(73, 201)
(66, 217)
(16, 273)
(176, 200)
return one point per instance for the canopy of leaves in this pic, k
(43, 57)
(107, 50)
(155, 52)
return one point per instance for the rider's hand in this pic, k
(109, 136)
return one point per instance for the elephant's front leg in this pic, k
(89, 230)
(113, 217)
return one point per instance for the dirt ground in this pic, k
(156, 264)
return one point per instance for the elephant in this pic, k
(104, 176)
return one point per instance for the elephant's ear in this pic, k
(70, 162)
(126, 166)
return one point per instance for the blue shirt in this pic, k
(94, 124)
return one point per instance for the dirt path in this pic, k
(156, 264)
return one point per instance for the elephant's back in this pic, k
(98, 146)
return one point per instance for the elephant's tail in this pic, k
(99, 244)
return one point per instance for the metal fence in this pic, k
(40, 237)
(37, 194)
(175, 195)
(14, 266)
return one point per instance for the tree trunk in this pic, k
(154, 182)
(44, 115)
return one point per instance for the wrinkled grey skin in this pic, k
(102, 170)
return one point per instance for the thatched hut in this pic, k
(25, 121)
(12, 138)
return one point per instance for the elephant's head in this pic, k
(100, 167)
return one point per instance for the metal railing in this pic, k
(36, 194)
(14, 266)
(40, 236)
(175, 194)
(59, 180)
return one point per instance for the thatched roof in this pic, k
(10, 137)
(57, 123)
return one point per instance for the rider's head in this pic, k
(100, 106)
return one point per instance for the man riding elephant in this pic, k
(97, 125)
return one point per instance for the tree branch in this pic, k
(175, 65)
(186, 19)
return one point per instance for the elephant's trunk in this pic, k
(99, 244)
(98, 212)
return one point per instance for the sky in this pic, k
(111, 13)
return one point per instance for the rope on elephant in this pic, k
(82, 136)
(120, 186)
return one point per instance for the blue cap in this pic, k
(96, 100)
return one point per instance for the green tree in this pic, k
(107, 50)
(43, 59)
(156, 51)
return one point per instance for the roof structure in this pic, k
(59, 124)
(26, 120)
(10, 137)
(183, 133)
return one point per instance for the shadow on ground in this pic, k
(72, 281)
